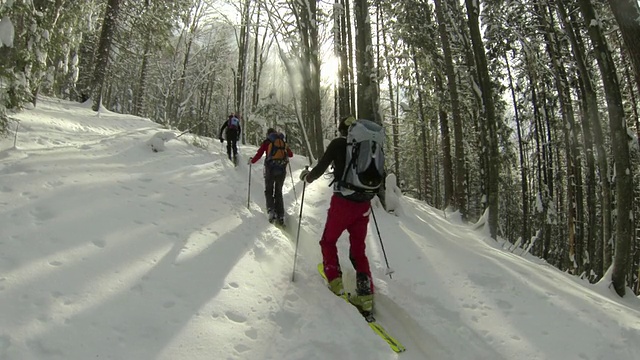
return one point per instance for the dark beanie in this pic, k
(346, 121)
(270, 130)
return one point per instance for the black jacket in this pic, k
(232, 134)
(336, 153)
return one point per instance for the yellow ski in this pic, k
(377, 328)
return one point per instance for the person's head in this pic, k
(346, 121)
(270, 131)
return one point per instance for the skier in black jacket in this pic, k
(232, 125)
(345, 213)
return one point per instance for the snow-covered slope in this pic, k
(109, 250)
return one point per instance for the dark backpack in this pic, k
(233, 123)
(364, 165)
(277, 156)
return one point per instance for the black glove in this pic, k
(303, 175)
(221, 140)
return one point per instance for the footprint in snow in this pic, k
(53, 184)
(252, 334)
(42, 214)
(100, 243)
(240, 348)
(232, 284)
(235, 317)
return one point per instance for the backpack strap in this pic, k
(270, 148)
(354, 156)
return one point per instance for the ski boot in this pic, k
(364, 303)
(363, 299)
(336, 286)
(272, 216)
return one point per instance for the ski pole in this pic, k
(295, 256)
(293, 184)
(389, 271)
(186, 131)
(249, 187)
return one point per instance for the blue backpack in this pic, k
(233, 123)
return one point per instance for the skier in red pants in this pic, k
(345, 213)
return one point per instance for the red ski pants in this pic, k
(352, 216)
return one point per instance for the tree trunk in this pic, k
(574, 168)
(524, 182)
(350, 50)
(138, 109)
(425, 174)
(620, 144)
(488, 111)
(447, 163)
(590, 180)
(255, 77)
(103, 52)
(394, 116)
(459, 195)
(314, 102)
(541, 173)
(307, 24)
(367, 84)
(627, 14)
(592, 114)
(241, 72)
(343, 106)
(633, 100)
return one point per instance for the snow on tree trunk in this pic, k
(620, 148)
(489, 116)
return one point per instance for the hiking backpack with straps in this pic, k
(364, 165)
(277, 156)
(233, 123)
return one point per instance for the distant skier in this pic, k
(232, 125)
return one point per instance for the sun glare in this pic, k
(329, 68)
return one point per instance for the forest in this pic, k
(521, 115)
